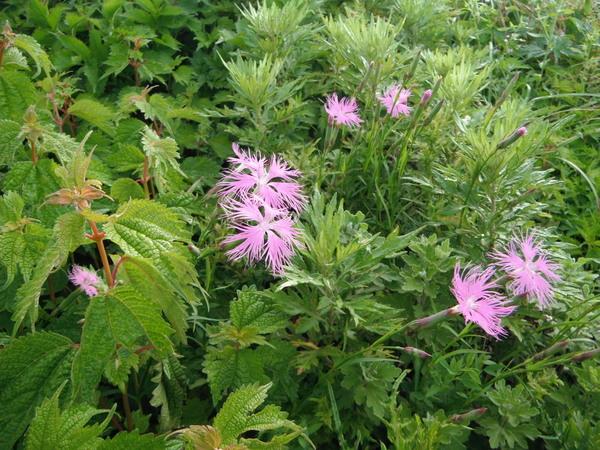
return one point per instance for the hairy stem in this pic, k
(98, 237)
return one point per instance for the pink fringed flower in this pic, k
(477, 301)
(85, 279)
(395, 100)
(272, 180)
(342, 111)
(530, 269)
(263, 232)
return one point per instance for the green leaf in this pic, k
(162, 157)
(133, 440)
(16, 94)
(33, 181)
(94, 112)
(60, 144)
(254, 310)
(121, 316)
(69, 231)
(52, 429)
(230, 369)
(9, 141)
(125, 189)
(31, 368)
(235, 416)
(150, 282)
(21, 251)
(31, 46)
(148, 229)
(76, 45)
(28, 295)
(170, 392)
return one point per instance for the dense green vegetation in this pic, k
(412, 264)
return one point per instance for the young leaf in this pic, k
(31, 368)
(162, 157)
(170, 392)
(31, 46)
(94, 112)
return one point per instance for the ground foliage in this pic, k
(116, 120)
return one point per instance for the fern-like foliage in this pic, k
(31, 368)
(236, 417)
(120, 317)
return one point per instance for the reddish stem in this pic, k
(34, 156)
(98, 237)
(117, 425)
(143, 349)
(116, 267)
(145, 179)
(3, 44)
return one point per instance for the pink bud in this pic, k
(426, 97)
(468, 416)
(522, 131)
(417, 352)
(586, 355)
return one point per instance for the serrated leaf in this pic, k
(133, 440)
(148, 229)
(52, 429)
(118, 368)
(235, 416)
(16, 94)
(230, 369)
(121, 316)
(139, 272)
(124, 189)
(162, 157)
(34, 49)
(94, 112)
(19, 251)
(33, 181)
(253, 310)
(170, 392)
(9, 141)
(31, 368)
(69, 231)
(97, 217)
(60, 144)
(28, 295)
(76, 45)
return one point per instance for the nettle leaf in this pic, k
(66, 430)
(70, 231)
(16, 94)
(9, 140)
(170, 392)
(125, 189)
(60, 144)
(34, 49)
(121, 316)
(235, 416)
(31, 368)
(128, 441)
(94, 112)
(231, 368)
(151, 283)
(254, 310)
(118, 368)
(28, 295)
(20, 251)
(162, 157)
(33, 181)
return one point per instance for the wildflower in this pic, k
(395, 100)
(477, 301)
(342, 111)
(265, 232)
(272, 180)
(532, 272)
(85, 279)
(425, 98)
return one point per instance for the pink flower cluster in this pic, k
(87, 280)
(525, 265)
(344, 111)
(261, 199)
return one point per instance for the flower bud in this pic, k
(468, 416)
(426, 97)
(417, 352)
(550, 350)
(586, 355)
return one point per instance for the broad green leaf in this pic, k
(16, 94)
(69, 231)
(124, 189)
(31, 368)
(9, 141)
(20, 251)
(76, 45)
(254, 310)
(60, 144)
(169, 393)
(235, 416)
(34, 49)
(33, 181)
(94, 112)
(66, 430)
(148, 229)
(162, 157)
(231, 369)
(121, 316)
(28, 295)
(150, 282)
